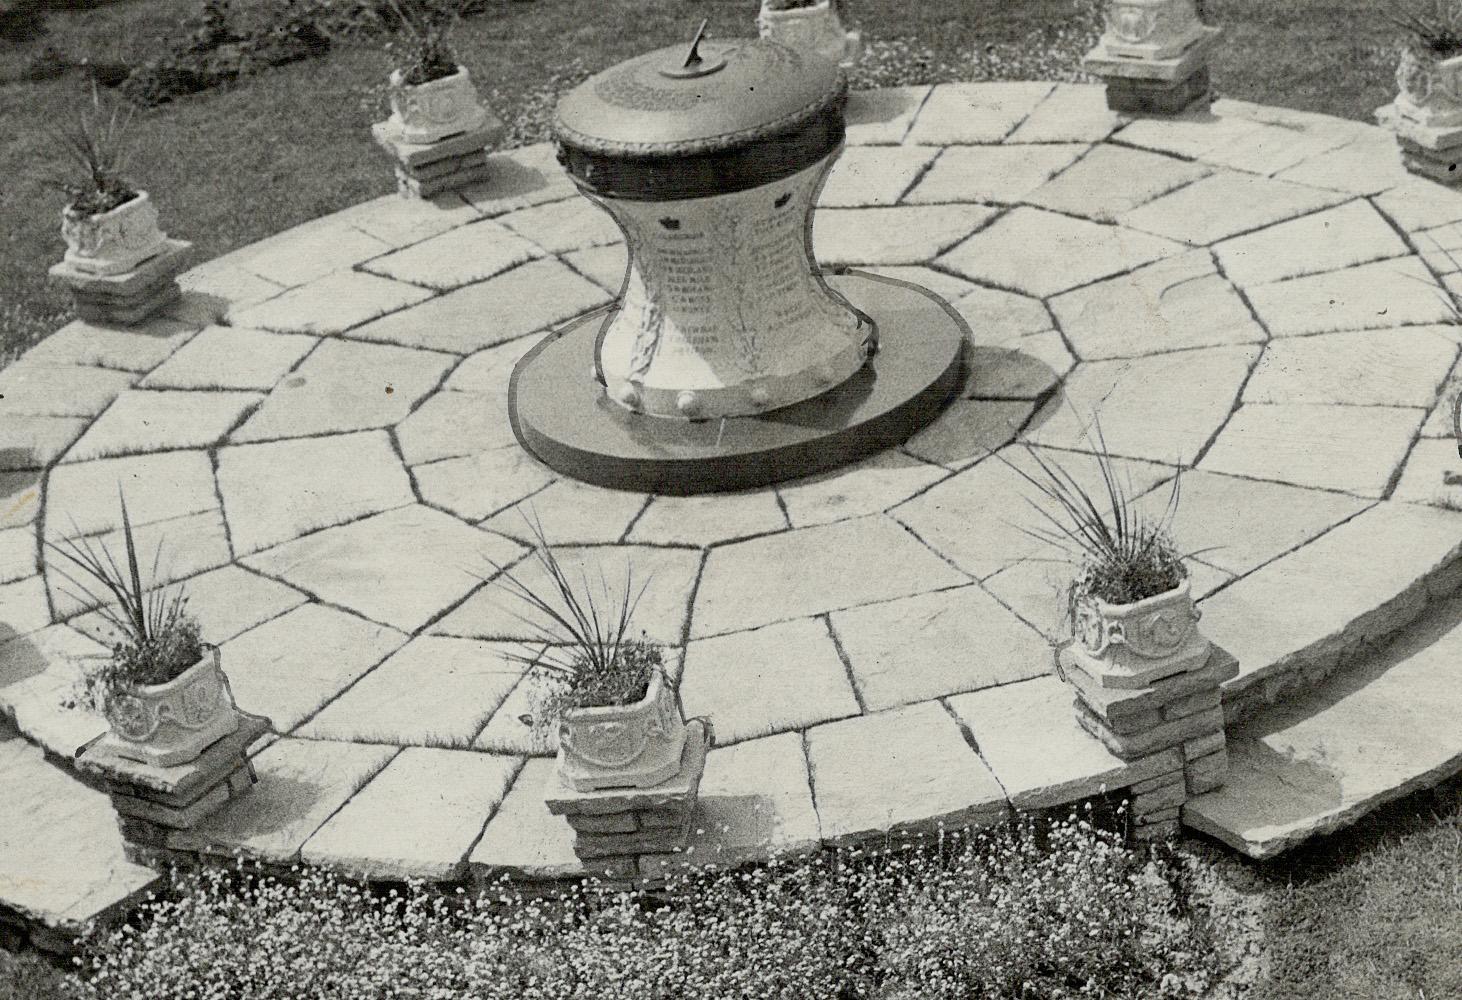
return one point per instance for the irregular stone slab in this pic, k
(997, 317)
(975, 112)
(523, 837)
(1354, 449)
(668, 576)
(1065, 764)
(605, 266)
(1226, 204)
(457, 257)
(226, 602)
(403, 567)
(519, 178)
(332, 304)
(290, 666)
(309, 252)
(906, 234)
(136, 349)
(932, 645)
(1274, 147)
(1241, 524)
(278, 491)
(1041, 253)
(1367, 165)
(992, 173)
(1417, 203)
(1194, 391)
(562, 226)
(708, 520)
(1072, 112)
(808, 571)
(868, 487)
(1433, 475)
(909, 769)
(1371, 296)
(82, 498)
(1348, 585)
(517, 726)
(1035, 591)
(1112, 180)
(417, 818)
(969, 430)
(755, 802)
(302, 783)
(148, 420)
(475, 486)
(188, 546)
(40, 674)
(45, 390)
(404, 221)
(223, 357)
(20, 498)
(770, 680)
(571, 513)
(35, 442)
(18, 556)
(1439, 423)
(1402, 367)
(975, 519)
(1189, 135)
(532, 297)
(431, 692)
(61, 862)
(455, 425)
(946, 286)
(1440, 247)
(222, 284)
(1336, 238)
(874, 175)
(1318, 763)
(1177, 303)
(884, 115)
(346, 387)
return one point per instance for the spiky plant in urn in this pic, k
(109, 226)
(1429, 75)
(811, 25)
(604, 690)
(163, 691)
(1130, 606)
(432, 95)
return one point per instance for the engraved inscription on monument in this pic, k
(723, 313)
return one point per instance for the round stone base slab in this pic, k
(562, 415)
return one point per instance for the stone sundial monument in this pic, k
(729, 358)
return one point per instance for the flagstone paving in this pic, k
(319, 434)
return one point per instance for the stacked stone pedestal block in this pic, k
(425, 170)
(129, 298)
(1155, 80)
(615, 828)
(1431, 151)
(1175, 722)
(153, 802)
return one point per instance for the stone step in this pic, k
(1385, 727)
(61, 862)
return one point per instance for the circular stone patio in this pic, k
(319, 436)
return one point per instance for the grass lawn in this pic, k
(228, 168)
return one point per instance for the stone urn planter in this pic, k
(437, 109)
(1128, 646)
(112, 242)
(623, 746)
(816, 27)
(1152, 29)
(173, 723)
(1430, 88)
